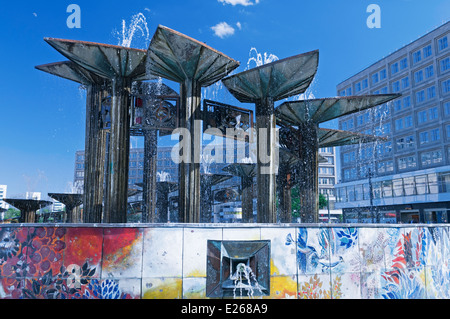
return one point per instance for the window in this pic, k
(347, 125)
(417, 56)
(406, 162)
(442, 43)
(358, 87)
(427, 51)
(405, 82)
(397, 105)
(431, 92)
(398, 124)
(422, 117)
(408, 121)
(383, 74)
(406, 101)
(424, 138)
(446, 86)
(394, 68)
(418, 76)
(405, 142)
(435, 135)
(348, 91)
(349, 157)
(420, 96)
(384, 90)
(433, 113)
(395, 86)
(430, 158)
(342, 93)
(364, 84)
(447, 108)
(445, 64)
(429, 71)
(375, 78)
(403, 63)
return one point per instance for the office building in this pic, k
(405, 178)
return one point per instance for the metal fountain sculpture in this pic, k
(111, 70)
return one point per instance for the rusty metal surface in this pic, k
(276, 80)
(108, 61)
(71, 71)
(322, 110)
(177, 57)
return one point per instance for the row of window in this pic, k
(406, 186)
(326, 170)
(427, 159)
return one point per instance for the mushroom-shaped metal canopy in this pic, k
(108, 61)
(322, 110)
(264, 85)
(277, 80)
(332, 138)
(193, 64)
(71, 201)
(71, 71)
(27, 207)
(177, 57)
(95, 138)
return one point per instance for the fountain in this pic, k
(193, 64)
(263, 86)
(95, 137)
(290, 172)
(306, 115)
(120, 66)
(246, 260)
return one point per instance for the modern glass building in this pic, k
(405, 178)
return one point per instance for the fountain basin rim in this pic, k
(221, 225)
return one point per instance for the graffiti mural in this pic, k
(107, 262)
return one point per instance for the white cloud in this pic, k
(238, 24)
(244, 3)
(223, 30)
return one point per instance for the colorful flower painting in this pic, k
(332, 262)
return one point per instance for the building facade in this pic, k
(407, 177)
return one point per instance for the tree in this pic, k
(323, 202)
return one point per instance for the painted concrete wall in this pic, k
(161, 261)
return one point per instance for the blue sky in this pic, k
(42, 117)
